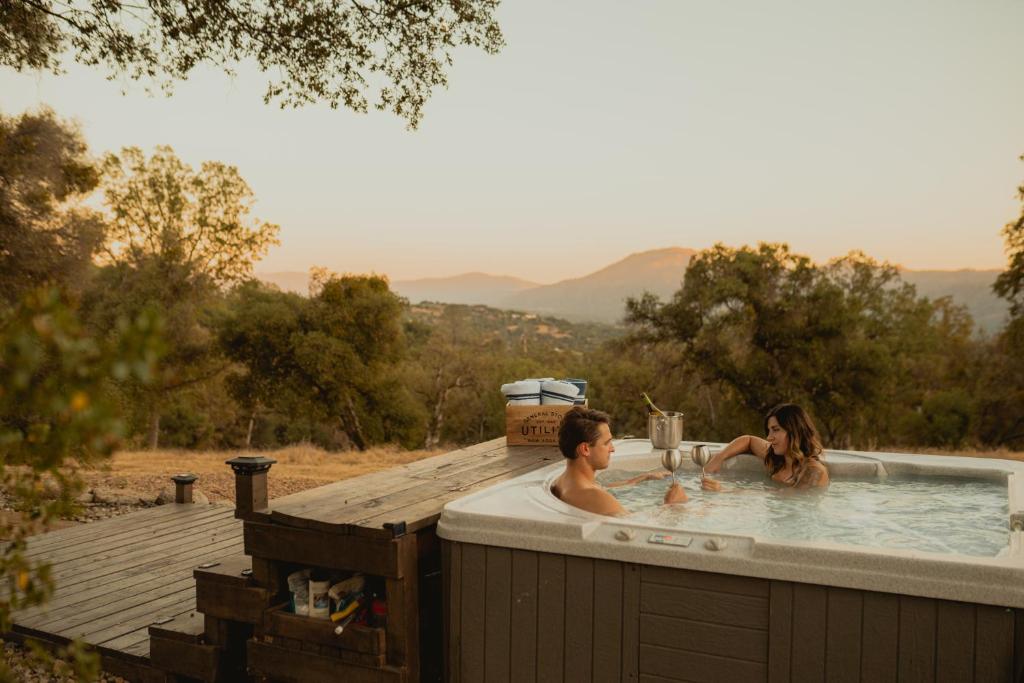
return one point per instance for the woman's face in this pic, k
(777, 437)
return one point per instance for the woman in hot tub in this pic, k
(791, 452)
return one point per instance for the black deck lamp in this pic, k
(250, 483)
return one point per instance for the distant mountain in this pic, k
(469, 288)
(600, 297)
(970, 288)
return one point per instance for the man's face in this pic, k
(602, 449)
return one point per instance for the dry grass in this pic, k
(298, 467)
(1001, 453)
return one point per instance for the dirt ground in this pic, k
(300, 467)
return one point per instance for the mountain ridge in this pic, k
(600, 296)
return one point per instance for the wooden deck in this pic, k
(414, 493)
(117, 576)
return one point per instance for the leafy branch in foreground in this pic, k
(336, 52)
(55, 414)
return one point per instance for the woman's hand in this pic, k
(709, 484)
(675, 494)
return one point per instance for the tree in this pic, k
(1010, 283)
(335, 52)
(176, 238)
(445, 363)
(334, 356)
(46, 234)
(765, 326)
(55, 415)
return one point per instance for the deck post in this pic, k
(250, 483)
(183, 487)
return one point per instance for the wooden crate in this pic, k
(533, 425)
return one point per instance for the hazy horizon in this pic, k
(260, 271)
(605, 129)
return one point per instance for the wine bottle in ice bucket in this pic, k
(649, 404)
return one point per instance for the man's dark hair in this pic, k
(579, 425)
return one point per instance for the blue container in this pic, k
(581, 384)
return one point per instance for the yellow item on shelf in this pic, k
(338, 616)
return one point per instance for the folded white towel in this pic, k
(555, 392)
(525, 392)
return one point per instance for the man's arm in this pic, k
(646, 476)
(598, 501)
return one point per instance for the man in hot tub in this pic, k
(585, 440)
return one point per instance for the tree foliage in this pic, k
(1010, 283)
(769, 326)
(349, 53)
(46, 235)
(334, 355)
(55, 414)
(175, 238)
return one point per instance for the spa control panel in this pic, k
(714, 544)
(670, 539)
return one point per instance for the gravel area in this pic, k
(27, 669)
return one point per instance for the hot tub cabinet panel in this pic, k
(521, 615)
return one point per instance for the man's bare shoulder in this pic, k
(594, 499)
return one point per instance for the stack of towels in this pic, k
(545, 391)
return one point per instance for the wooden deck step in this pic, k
(120, 577)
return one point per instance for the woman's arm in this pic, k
(739, 445)
(815, 477)
(646, 476)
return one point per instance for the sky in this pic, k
(606, 127)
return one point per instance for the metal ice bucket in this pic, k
(665, 431)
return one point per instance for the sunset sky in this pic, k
(609, 127)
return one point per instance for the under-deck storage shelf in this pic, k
(355, 637)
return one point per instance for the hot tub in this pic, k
(539, 590)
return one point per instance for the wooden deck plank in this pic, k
(138, 616)
(474, 576)
(117, 527)
(880, 637)
(419, 512)
(954, 649)
(993, 656)
(137, 564)
(498, 618)
(608, 620)
(551, 620)
(523, 640)
(579, 618)
(453, 625)
(130, 641)
(305, 507)
(843, 635)
(810, 609)
(917, 638)
(780, 628)
(700, 605)
(115, 577)
(138, 517)
(79, 548)
(83, 597)
(419, 502)
(630, 622)
(60, 621)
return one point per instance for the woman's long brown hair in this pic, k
(804, 444)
